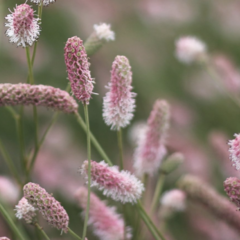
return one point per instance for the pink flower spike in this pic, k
(23, 28)
(234, 151)
(232, 188)
(45, 2)
(119, 185)
(51, 210)
(4, 238)
(78, 69)
(119, 102)
(151, 150)
(105, 221)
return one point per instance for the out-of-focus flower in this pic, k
(9, 192)
(106, 223)
(234, 151)
(172, 163)
(25, 210)
(23, 28)
(78, 69)
(51, 210)
(45, 2)
(190, 49)
(119, 185)
(4, 238)
(38, 95)
(119, 102)
(137, 132)
(151, 149)
(232, 188)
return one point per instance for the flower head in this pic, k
(119, 102)
(105, 221)
(119, 185)
(232, 188)
(190, 49)
(25, 210)
(38, 95)
(234, 151)
(151, 150)
(78, 69)
(104, 32)
(23, 28)
(4, 238)
(51, 210)
(45, 2)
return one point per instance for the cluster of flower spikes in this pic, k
(119, 185)
(78, 69)
(25, 210)
(38, 95)
(23, 28)
(119, 102)
(105, 221)
(232, 188)
(44, 2)
(235, 151)
(151, 147)
(51, 210)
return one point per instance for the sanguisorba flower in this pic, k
(38, 95)
(4, 238)
(45, 2)
(234, 151)
(106, 223)
(232, 188)
(23, 28)
(77, 64)
(119, 185)
(151, 148)
(25, 210)
(119, 102)
(51, 210)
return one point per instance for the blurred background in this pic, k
(202, 118)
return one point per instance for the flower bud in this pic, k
(172, 163)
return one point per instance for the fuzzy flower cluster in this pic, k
(232, 188)
(25, 210)
(51, 210)
(119, 185)
(234, 151)
(151, 150)
(38, 95)
(4, 238)
(23, 28)
(103, 31)
(45, 2)
(190, 49)
(78, 69)
(105, 221)
(119, 102)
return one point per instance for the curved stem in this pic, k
(42, 231)
(120, 146)
(74, 234)
(89, 169)
(30, 72)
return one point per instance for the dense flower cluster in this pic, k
(38, 95)
(78, 69)
(23, 28)
(51, 210)
(103, 31)
(119, 102)
(105, 221)
(119, 185)
(45, 2)
(232, 188)
(235, 151)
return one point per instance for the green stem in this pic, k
(35, 116)
(157, 192)
(11, 223)
(9, 162)
(120, 146)
(74, 234)
(42, 231)
(13, 112)
(89, 170)
(93, 139)
(30, 72)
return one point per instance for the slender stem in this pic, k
(74, 234)
(89, 170)
(157, 192)
(120, 146)
(35, 116)
(94, 140)
(13, 112)
(9, 162)
(42, 231)
(11, 223)
(30, 72)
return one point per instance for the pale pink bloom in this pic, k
(51, 210)
(38, 95)
(25, 210)
(45, 2)
(106, 223)
(190, 49)
(23, 28)
(234, 151)
(137, 132)
(77, 64)
(4, 238)
(103, 31)
(232, 188)
(151, 149)
(119, 102)
(119, 185)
